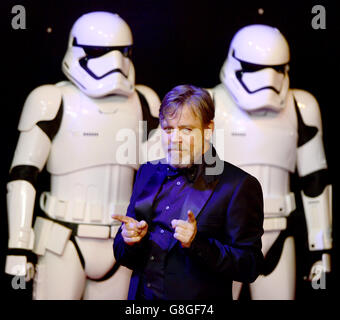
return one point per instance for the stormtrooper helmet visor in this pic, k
(95, 52)
(256, 77)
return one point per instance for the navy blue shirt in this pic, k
(166, 207)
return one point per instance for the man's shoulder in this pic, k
(153, 165)
(233, 172)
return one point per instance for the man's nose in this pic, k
(176, 136)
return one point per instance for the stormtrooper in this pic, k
(270, 130)
(81, 129)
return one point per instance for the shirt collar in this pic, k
(190, 173)
(209, 160)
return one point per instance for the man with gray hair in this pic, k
(194, 223)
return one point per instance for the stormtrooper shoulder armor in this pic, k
(39, 122)
(151, 97)
(308, 107)
(42, 104)
(150, 104)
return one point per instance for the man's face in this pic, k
(183, 138)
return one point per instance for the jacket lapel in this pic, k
(204, 185)
(195, 200)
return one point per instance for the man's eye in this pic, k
(186, 130)
(168, 130)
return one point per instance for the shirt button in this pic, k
(152, 258)
(167, 208)
(148, 285)
(178, 183)
(162, 231)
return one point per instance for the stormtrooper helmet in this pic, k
(98, 58)
(256, 69)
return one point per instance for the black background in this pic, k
(175, 42)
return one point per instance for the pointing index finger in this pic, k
(123, 218)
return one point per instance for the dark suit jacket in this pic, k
(227, 246)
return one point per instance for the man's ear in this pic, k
(208, 131)
(211, 125)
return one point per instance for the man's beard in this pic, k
(179, 158)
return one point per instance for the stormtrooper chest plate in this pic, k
(266, 138)
(95, 132)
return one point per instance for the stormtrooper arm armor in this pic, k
(312, 169)
(37, 126)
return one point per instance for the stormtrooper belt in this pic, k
(89, 230)
(72, 210)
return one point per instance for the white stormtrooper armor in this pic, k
(88, 132)
(270, 130)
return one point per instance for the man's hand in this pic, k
(185, 231)
(133, 231)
